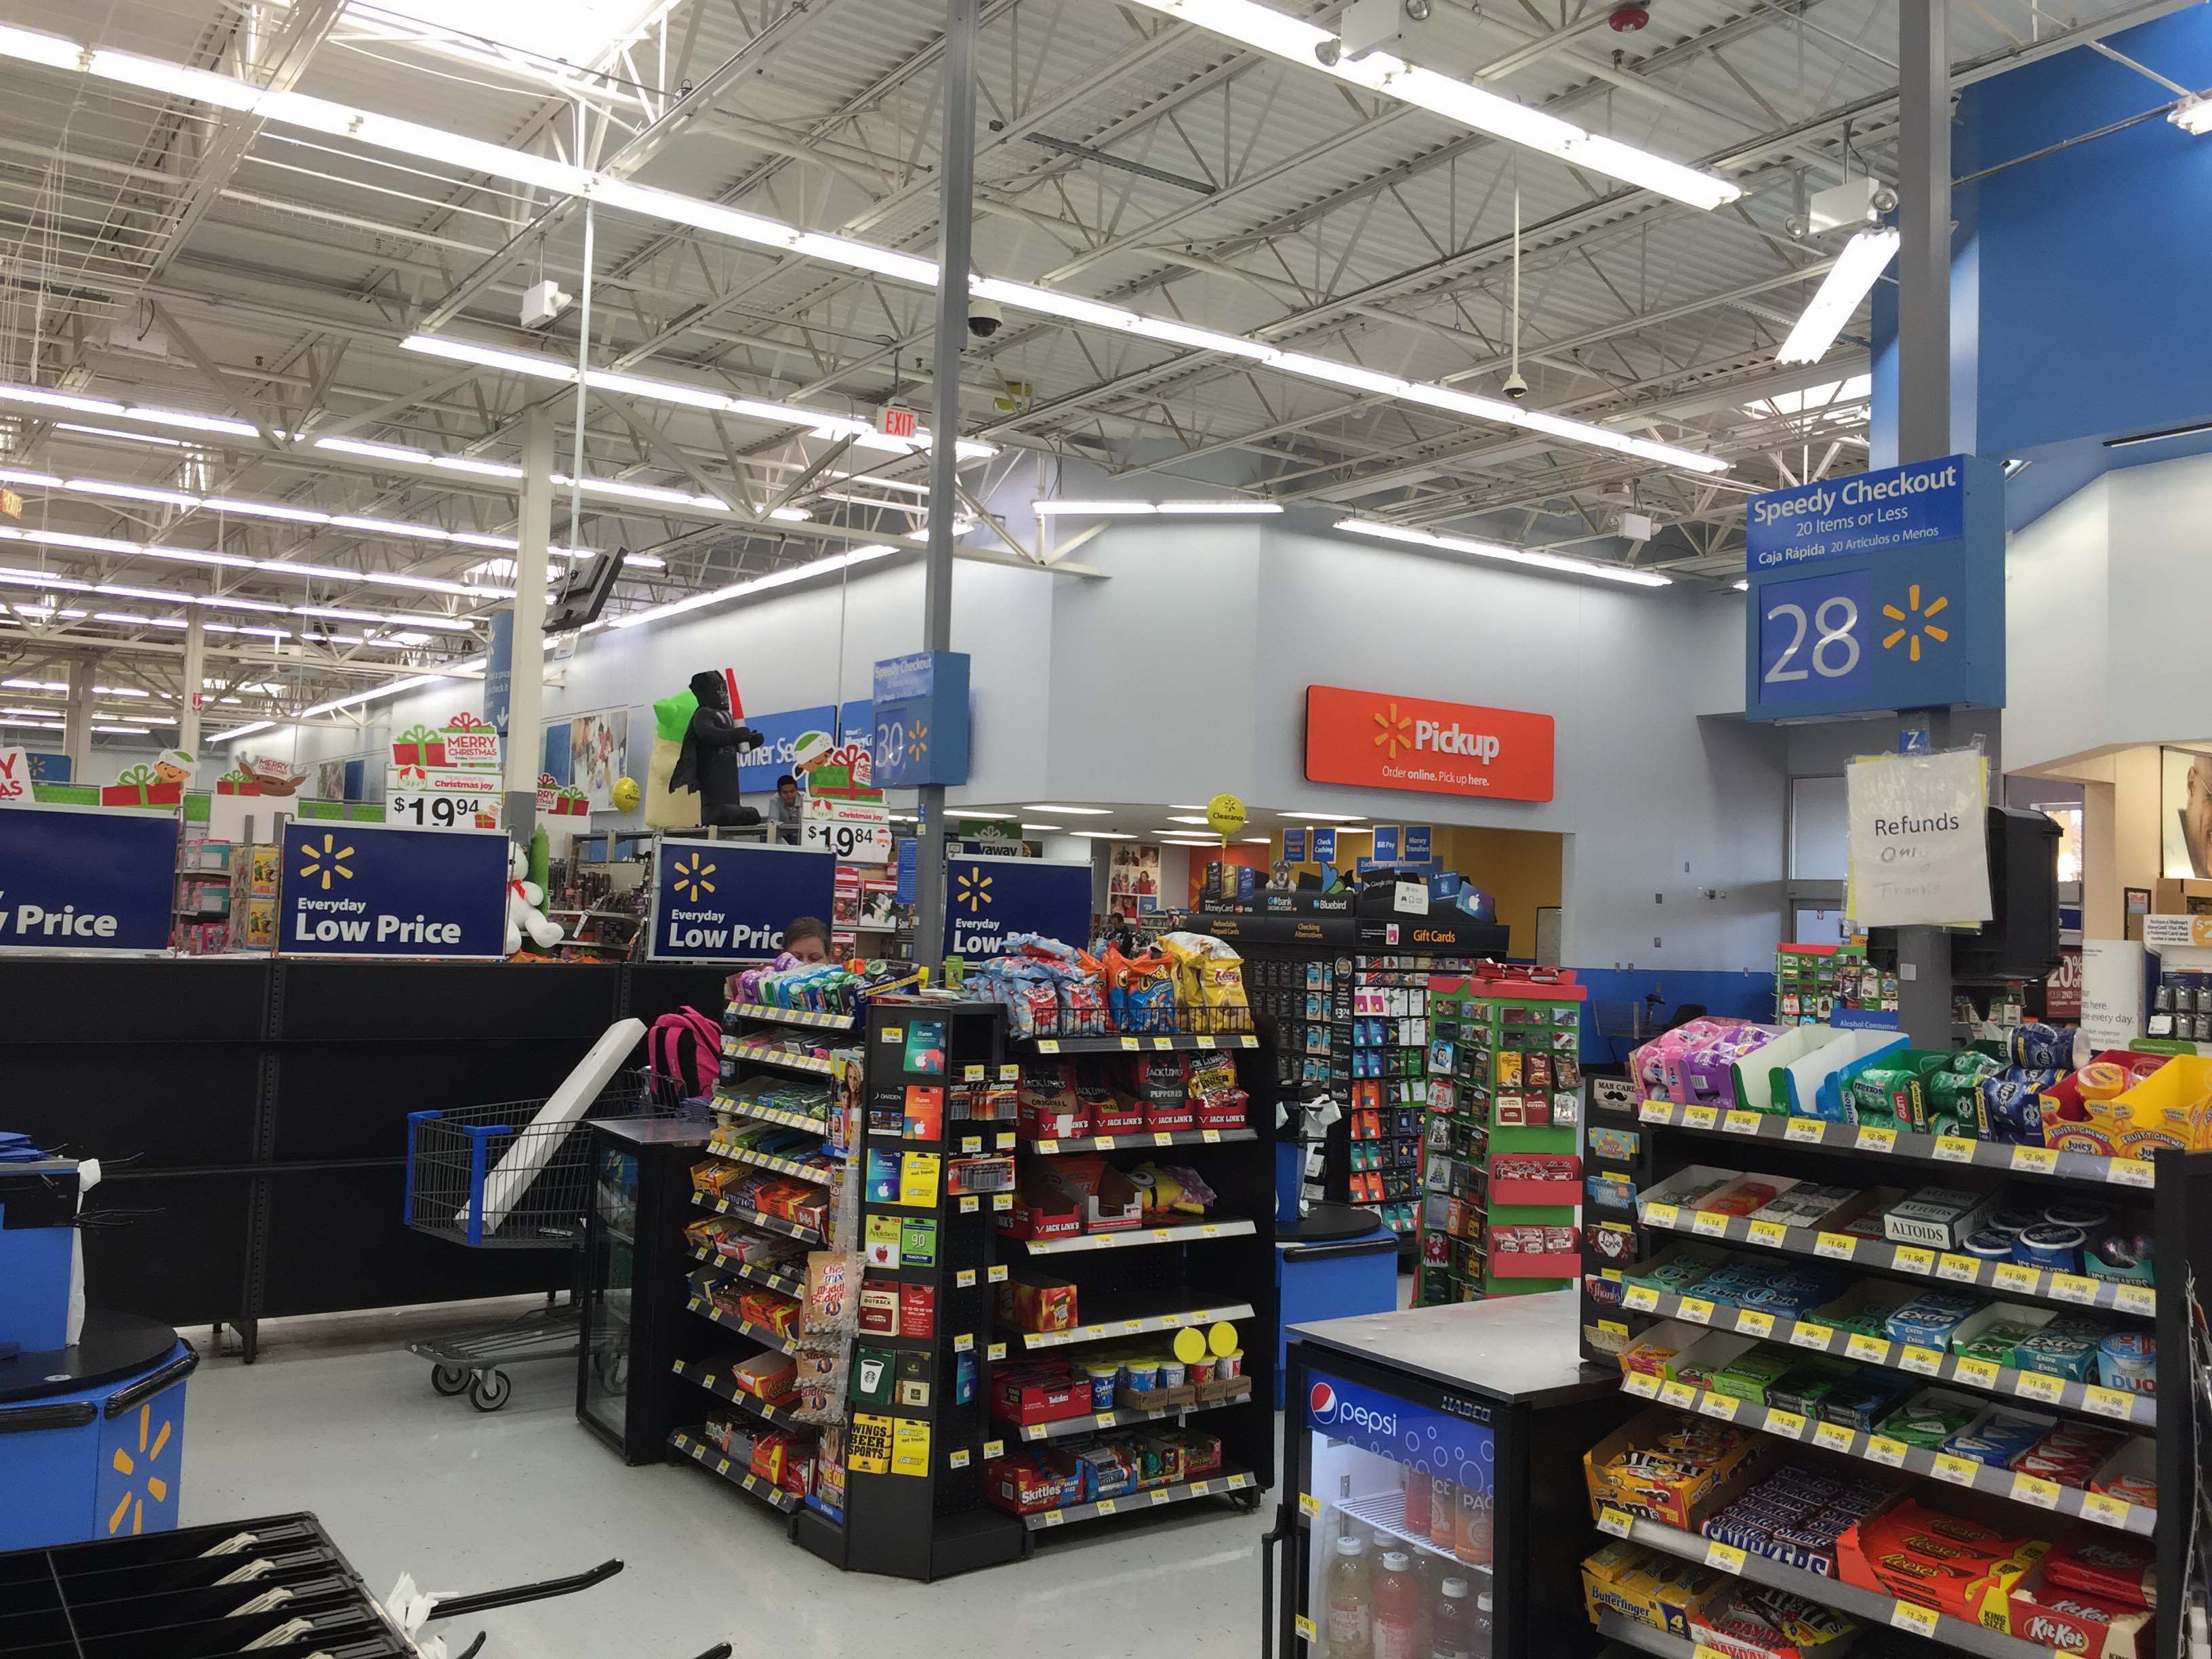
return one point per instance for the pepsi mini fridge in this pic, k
(1432, 1473)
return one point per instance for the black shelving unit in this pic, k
(1655, 1141)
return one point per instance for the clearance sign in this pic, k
(1376, 741)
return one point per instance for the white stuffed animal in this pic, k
(523, 898)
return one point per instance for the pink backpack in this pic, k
(686, 1049)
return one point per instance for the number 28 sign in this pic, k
(1881, 591)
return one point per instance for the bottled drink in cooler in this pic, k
(1443, 1512)
(1417, 1503)
(1478, 1647)
(1473, 1542)
(1431, 1570)
(1451, 1626)
(1349, 1597)
(1396, 1613)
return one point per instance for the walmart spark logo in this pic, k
(142, 1484)
(692, 878)
(1397, 731)
(974, 890)
(1912, 626)
(327, 860)
(917, 742)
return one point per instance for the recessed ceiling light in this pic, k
(1201, 820)
(1079, 811)
(1259, 840)
(1329, 818)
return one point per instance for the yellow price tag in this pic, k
(1836, 1246)
(997, 1274)
(2131, 1171)
(963, 1342)
(965, 1279)
(1047, 1146)
(1641, 1298)
(2073, 1287)
(1911, 1259)
(1767, 1233)
(2036, 1386)
(1613, 1521)
(1662, 1215)
(1752, 1322)
(1709, 1224)
(1210, 1137)
(1809, 1129)
(1919, 1621)
(2016, 1276)
(1803, 1335)
(1678, 1393)
(1200, 1488)
(1959, 1471)
(1045, 1046)
(1656, 1111)
(2135, 1298)
(1130, 1045)
(2109, 1402)
(1979, 1372)
(993, 1450)
(1700, 1117)
(1882, 1450)
(997, 1351)
(1741, 1123)
(1308, 1631)
(1642, 1383)
(1696, 1310)
(2106, 1511)
(1106, 1504)
(1954, 1149)
(1926, 1361)
(1706, 1651)
(1102, 1142)
(1959, 1269)
(1722, 1405)
(957, 1460)
(1872, 1138)
(1859, 1346)
(1727, 1557)
(1834, 1436)
(1781, 1422)
(1309, 1506)
(2038, 1160)
(970, 1206)
(971, 1143)
(2034, 1489)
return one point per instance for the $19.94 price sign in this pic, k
(430, 809)
(851, 831)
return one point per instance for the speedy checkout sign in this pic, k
(730, 900)
(1374, 740)
(75, 879)
(364, 889)
(1877, 592)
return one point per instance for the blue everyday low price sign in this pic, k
(730, 900)
(1878, 592)
(84, 878)
(366, 889)
(989, 899)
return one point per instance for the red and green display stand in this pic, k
(1501, 1180)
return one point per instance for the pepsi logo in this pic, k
(1324, 1406)
(1320, 1403)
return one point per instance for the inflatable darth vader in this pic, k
(715, 742)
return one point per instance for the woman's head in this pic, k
(807, 939)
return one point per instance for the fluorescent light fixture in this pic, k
(1329, 817)
(1741, 585)
(1202, 821)
(2193, 115)
(1079, 811)
(244, 731)
(1140, 509)
(1280, 36)
(755, 585)
(1848, 281)
(1101, 835)
(1167, 840)
(1611, 573)
(2158, 437)
(1377, 71)
(1259, 840)
(353, 700)
(116, 432)
(1045, 829)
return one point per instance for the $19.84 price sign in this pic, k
(432, 809)
(851, 831)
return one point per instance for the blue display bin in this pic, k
(1337, 1261)
(92, 1438)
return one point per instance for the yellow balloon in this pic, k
(1225, 813)
(625, 794)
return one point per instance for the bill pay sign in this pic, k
(368, 890)
(725, 900)
(81, 878)
(1877, 592)
(987, 900)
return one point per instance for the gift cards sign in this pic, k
(364, 889)
(725, 900)
(79, 878)
(1375, 740)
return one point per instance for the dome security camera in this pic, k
(985, 318)
(1514, 386)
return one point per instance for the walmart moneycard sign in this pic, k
(366, 889)
(730, 900)
(1877, 592)
(988, 900)
(85, 879)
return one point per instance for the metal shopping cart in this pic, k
(498, 1178)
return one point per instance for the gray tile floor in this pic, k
(337, 1418)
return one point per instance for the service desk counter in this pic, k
(251, 1114)
(1441, 1446)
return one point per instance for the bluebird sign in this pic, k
(989, 899)
(1878, 592)
(366, 889)
(84, 879)
(730, 900)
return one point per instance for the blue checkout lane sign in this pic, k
(1878, 592)
(921, 714)
(82, 878)
(730, 900)
(987, 900)
(366, 889)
